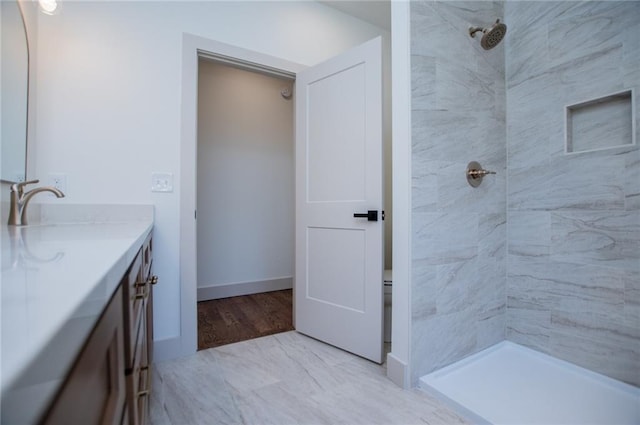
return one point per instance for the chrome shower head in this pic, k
(490, 36)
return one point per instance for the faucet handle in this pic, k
(17, 187)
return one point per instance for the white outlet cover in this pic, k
(161, 182)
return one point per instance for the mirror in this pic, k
(14, 58)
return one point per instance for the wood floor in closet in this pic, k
(235, 319)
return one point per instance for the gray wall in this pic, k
(574, 223)
(570, 283)
(459, 233)
(136, 111)
(245, 182)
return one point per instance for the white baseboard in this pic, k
(167, 349)
(398, 372)
(214, 292)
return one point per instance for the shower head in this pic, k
(490, 36)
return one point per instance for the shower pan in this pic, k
(509, 384)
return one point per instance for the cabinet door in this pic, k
(144, 375)
(149, 321)
(147, 360)
(94, 391)
(147, 249)
(138, 284)
(147, 256)
(134, 289)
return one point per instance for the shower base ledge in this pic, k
(511, 384)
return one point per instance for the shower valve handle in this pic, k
(475, 173)
(479, 173)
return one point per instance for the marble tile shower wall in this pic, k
(573, 283)
(459, 233)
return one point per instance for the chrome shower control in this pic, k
(475, 173)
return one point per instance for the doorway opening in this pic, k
(194, 49)
(245, 202)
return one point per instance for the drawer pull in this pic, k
(142, 295)
(145, 393)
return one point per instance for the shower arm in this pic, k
(474, 30)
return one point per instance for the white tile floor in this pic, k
(285, 379)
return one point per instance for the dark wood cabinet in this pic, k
(138, 313)
(110, 382)
(94, 391)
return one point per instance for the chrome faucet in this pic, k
(20, 199)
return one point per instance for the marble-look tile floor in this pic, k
(285, 378)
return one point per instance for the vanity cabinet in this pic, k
(110, 382)
(138, 313)
(94, 392)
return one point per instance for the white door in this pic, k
(339, 257)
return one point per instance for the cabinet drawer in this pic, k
(151, 280)
(94, 391)
(149, 323)
(134, 293)
(139, 380)
(147, 257)
(143, 399)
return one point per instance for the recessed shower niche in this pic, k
(602, 123)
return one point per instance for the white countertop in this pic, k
(56, 281)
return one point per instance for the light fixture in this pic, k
(48, 7)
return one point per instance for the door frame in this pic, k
(399, 360)
(398, 367)
(194, 47)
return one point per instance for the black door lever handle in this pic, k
(371, 215)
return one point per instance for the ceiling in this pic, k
(376, 12)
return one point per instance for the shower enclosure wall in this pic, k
(546, 253)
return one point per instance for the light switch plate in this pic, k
(161, 182)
